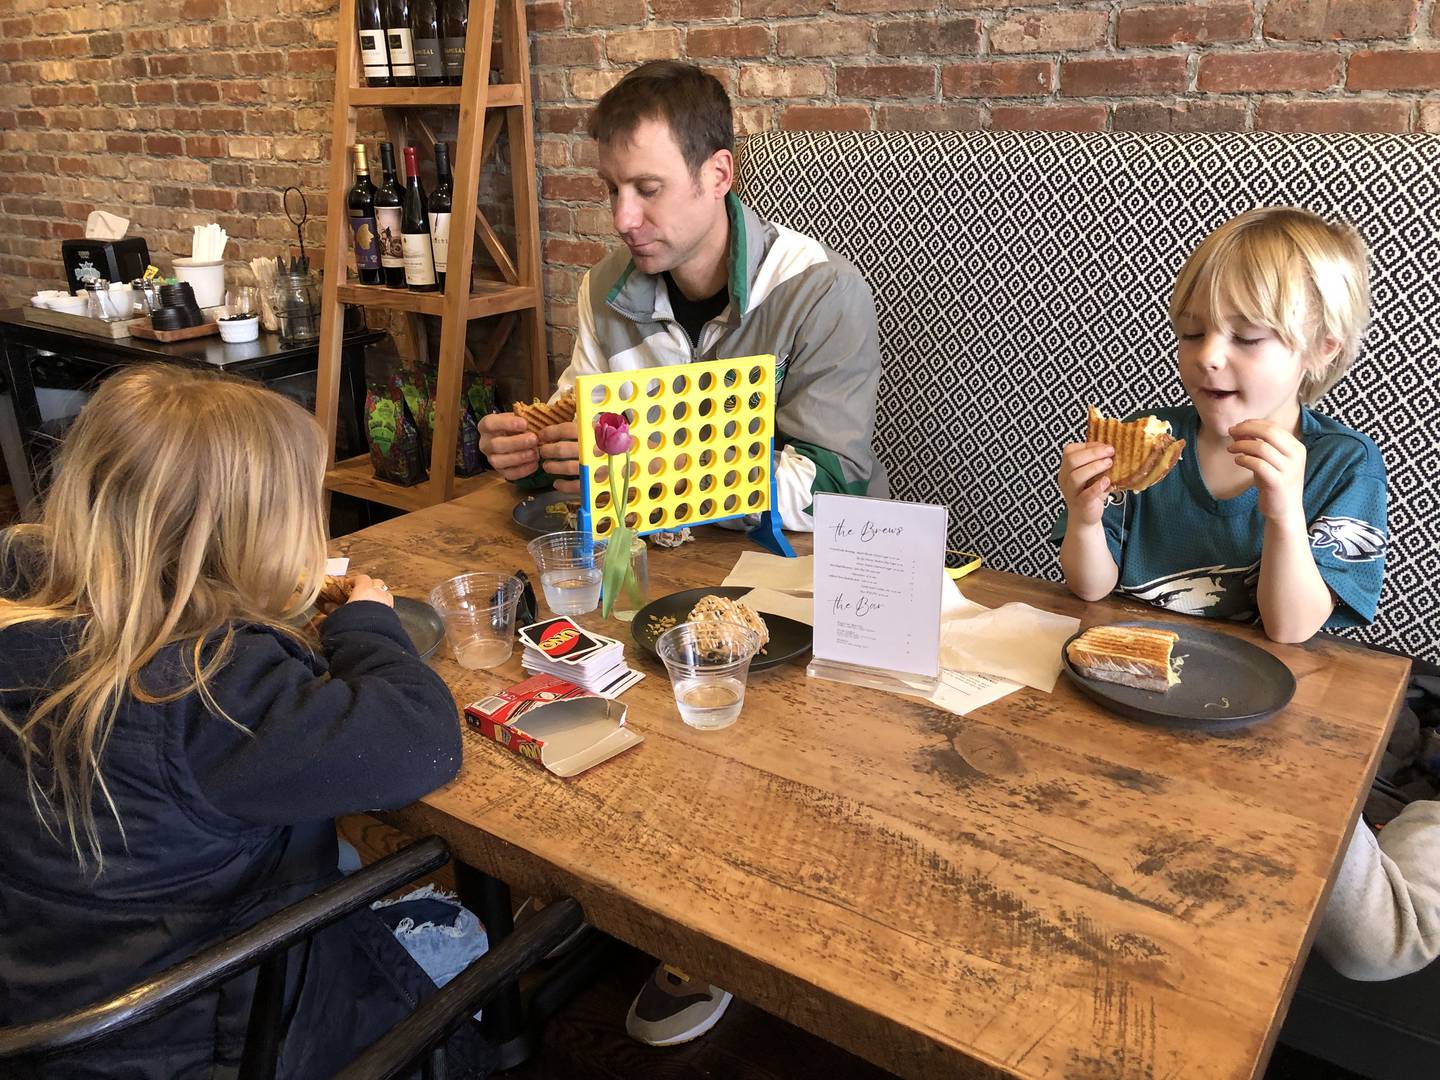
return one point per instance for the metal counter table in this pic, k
(81, 360)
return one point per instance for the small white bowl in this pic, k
(51, 295)
(238, 330)
(72, 305)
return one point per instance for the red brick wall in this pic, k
(203, 109)
(172, 114)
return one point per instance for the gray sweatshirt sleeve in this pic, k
(1383, 920)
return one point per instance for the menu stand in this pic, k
(896, 682)
(879, 569)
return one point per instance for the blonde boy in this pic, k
(1275, 512)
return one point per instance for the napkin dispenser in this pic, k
(113, 260)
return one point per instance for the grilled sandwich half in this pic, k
(1145, 451)
(539, 415)
(1137, 656)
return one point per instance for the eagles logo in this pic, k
(1351, 539)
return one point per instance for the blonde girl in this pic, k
(172, 750)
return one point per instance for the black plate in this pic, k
(788, 638)
(1225, 683)
(535, 518)
(422, 622)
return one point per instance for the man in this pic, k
(702, 277)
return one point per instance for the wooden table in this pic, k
(1039, 889)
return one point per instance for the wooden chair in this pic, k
(418, 1039)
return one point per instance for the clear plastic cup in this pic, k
(479, 614)
(709, 663)
(571, 565)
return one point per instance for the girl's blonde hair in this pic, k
(1292, 271)
(182, 504)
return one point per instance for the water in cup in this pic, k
(481, 652)
(572, 590)
(710, 704)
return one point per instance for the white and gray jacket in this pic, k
(1383, 919)
(789, 296)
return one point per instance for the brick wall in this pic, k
(195, 110)
(172, 114)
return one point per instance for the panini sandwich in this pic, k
(1145, 451)
(1137, 656)
(538, 415)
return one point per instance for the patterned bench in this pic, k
(1019, 276)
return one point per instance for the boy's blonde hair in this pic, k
(1292, 271)
(183, 503)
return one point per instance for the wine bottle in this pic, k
(425, 35)
(374, 53)
(388, 203)
(454, 19)
(361, 203)
(399, 42)
(415, 231)
(439, 208)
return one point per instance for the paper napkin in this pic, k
(757, 570)
(1015, 641)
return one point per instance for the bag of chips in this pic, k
(395, 449)
(474, 389)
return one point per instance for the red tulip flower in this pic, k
(613, 438)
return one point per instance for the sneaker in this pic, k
(673, 1008)
(530, 907)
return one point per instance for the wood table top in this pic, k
(1038, 889)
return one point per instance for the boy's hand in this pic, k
(1277, 459)
(560, 454)
(1083, 482)
(510, 446)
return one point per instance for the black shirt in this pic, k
(692, 315)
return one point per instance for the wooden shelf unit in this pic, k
(485, 109)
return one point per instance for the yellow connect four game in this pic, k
(704, 446)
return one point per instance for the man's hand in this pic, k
(1083, 482)
(511, 447)
(1277, 459)
(560, 454)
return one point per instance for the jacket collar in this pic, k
(635, 293)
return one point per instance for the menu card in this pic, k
(878, 583)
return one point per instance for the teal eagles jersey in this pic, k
(1182, 549)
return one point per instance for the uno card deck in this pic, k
(559, 639)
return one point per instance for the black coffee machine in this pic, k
(113, 260)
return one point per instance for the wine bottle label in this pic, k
(429, 63)
(454, 51)
(440, 240)
(402, 52)
(367, 241)
(419, 259)
(387, 221)
(373, 54)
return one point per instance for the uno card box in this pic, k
(554, 722)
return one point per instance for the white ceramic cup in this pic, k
(207, 280)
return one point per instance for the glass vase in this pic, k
(635, 590)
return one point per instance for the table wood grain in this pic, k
(1039, 889)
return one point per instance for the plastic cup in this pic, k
(479, 615)
(571, 565)
(709, 663)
